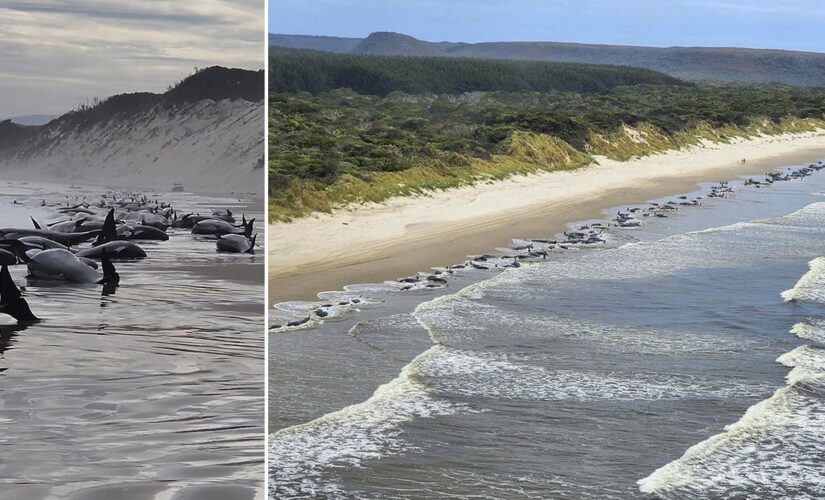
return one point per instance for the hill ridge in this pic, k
(713, 64)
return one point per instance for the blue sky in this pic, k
(795, 25)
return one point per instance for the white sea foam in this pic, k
(810, 217)
(811, 286)
(296, 306)
(773, 451)
(461, 317)
(719, 247)
(808, 365)
(303, 458)
(288, 316)
(811, 329)
(506, 377)
(793, 234)
(340, 296)
(373, 288)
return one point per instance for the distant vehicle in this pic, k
(177, 187)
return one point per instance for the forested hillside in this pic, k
(293, 70)
(331, 147)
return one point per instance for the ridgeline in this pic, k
(700, 64)
(215, 82)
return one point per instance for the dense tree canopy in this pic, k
(293, 70)
(343, 117)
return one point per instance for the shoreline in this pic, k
(253, 200)
(373, 243)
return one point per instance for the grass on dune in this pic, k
(526, 153)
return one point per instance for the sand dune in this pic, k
(208, 146)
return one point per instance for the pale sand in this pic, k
(377, 242)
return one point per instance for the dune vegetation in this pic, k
(330, 145)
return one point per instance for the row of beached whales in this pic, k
(540, 249)
(113, 225)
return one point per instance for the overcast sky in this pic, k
(56, 54)
(738, 23)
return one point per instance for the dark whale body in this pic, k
(69, 226)
(214, 226)
(40, 242)
(236, 243)
(117, 249)
(67, 239)
(7, 258)
(219, 227)
(62, 264)
(142, 232)
(109, 243)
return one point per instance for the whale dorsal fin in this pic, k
(36, 225)
(8, 290)
(109, 231)
(110, 275)
(11, 302)
(247, 230)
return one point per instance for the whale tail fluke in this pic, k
(11, 301)
(109, 231)
(247, 228)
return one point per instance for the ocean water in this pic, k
(153, 392)
(681, 359)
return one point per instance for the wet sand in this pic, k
(377, 243)
(152, 392)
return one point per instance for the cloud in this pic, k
(55, 54)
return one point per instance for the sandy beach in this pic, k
(372, 243)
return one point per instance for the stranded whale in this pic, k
(66, 239)
(236, 243)
(108, 243)
(220, 227)
(60, 264)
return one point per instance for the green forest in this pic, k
(294, 70)
(347, 128)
